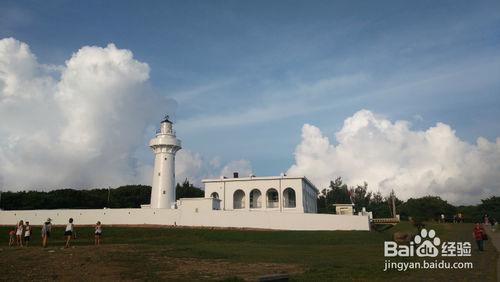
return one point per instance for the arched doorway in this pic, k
(289, 198)
(239, 199)
(272, 198)
(255, 199)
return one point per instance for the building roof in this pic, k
(260, 178)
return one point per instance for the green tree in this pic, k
(379, 206)
(188, 190)
(337, 193)
(426, 208)
(360, 196)
(129, 196)
(491, 207)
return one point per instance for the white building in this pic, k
(164, 146)
(273, 193)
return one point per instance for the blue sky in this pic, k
(256, 71)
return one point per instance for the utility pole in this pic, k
(393, 204)
(109, 192)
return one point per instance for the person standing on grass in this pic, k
(493, 223)
(478, 234)
(46, 229)
(486, 220)
(12, 237)
(98, 233)
(27, 233)
(69, 232)
(19, 233)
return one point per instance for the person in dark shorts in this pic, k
(69, 232)
(27, 233)
(98, 233)
(46, 229)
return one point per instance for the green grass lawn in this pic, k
(205, 254)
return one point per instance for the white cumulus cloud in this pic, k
(76, 125)
(390, 155)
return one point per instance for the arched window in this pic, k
(272, 198)
(255, 199)
(214, 195)
(239, 199)
(289, 198)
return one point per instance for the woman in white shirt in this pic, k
(46, 229)
(19, 233)
(69, 232)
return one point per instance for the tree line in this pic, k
(421, 209)
(129, 196)
(338, 192)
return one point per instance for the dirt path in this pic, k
(124, 262)
(72, 264)
(495, 240)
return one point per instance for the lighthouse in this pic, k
(165, 145)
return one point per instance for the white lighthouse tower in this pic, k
(164, 146)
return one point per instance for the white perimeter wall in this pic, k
(215, 218)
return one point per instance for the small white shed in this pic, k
(344, 209)
(198, 204)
